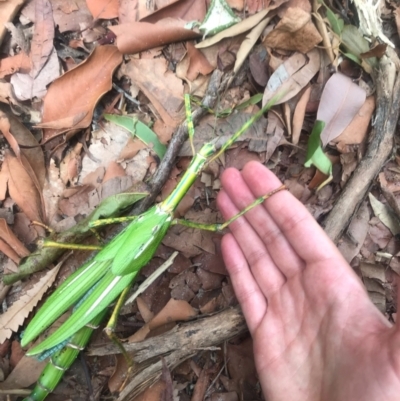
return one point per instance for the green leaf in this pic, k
(315, 154)
(336, 22)
(141, 130)
(353, 40)
(253, 100)
(115, 205)
(219, 17)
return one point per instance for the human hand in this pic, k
(316, 334)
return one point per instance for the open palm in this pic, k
(317, 336)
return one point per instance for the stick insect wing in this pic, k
(121, 261)
(63, 298)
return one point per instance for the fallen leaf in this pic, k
(81, 88)
(357, 130)
(292, 76)
(8, 11)
(31, 149)
(378, 51)
(18, 63)
(198, 63)
(25, 87)
(295, 31)
(238, 29)
(68, 15)
(374, 279)
(160, 85)
(19, 310)
(187, 10)
(299, 114)
(248, 43)
(174, 310)
(340, 102)
(23, 186)
(354, 237)
(349, 163)
(43, 35)
(103, 9)
(137, 37)
(10, 239)
(258, 63)
(24, 374)
(385, 215)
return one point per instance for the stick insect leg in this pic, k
(112, 220)
(189, 122)
(220, 227)
(110, 331)
(55, 244)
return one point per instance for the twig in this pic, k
(177, 345)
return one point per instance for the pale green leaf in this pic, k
(139, 129)
(315, 154)
(385, 214)
(219, 17)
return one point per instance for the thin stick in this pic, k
(149, 280)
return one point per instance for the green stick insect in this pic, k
(111, 272)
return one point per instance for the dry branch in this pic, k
(175, 346)
(378, 151)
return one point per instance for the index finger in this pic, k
(301, 230)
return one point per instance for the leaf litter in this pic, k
(136, 59)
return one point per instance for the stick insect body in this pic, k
(94, 286)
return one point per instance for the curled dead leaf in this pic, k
(81, 89)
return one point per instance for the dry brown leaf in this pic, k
(43, 35)
(103, 9)
(187, 10)
(354, 238)
(148, 8)
(19, 310)
(128, 11)
(23, 186)
(248, 43)
(295, 31)
(298, 115)
(9, 252)
(173, 311)
(5, 130)
(139, 36)
(374, 279)
(10, 239)
(258, 63)
(31, 148)
(25, 87)
(68, 15)
(378, 51)
(292, 76)
(19, 63)
(237, 29)
(7, 94)
(24, 374)
(81, 88)
(198, 63)
(357, 130)
(144, 310)
(8, 10)
(160, 85)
